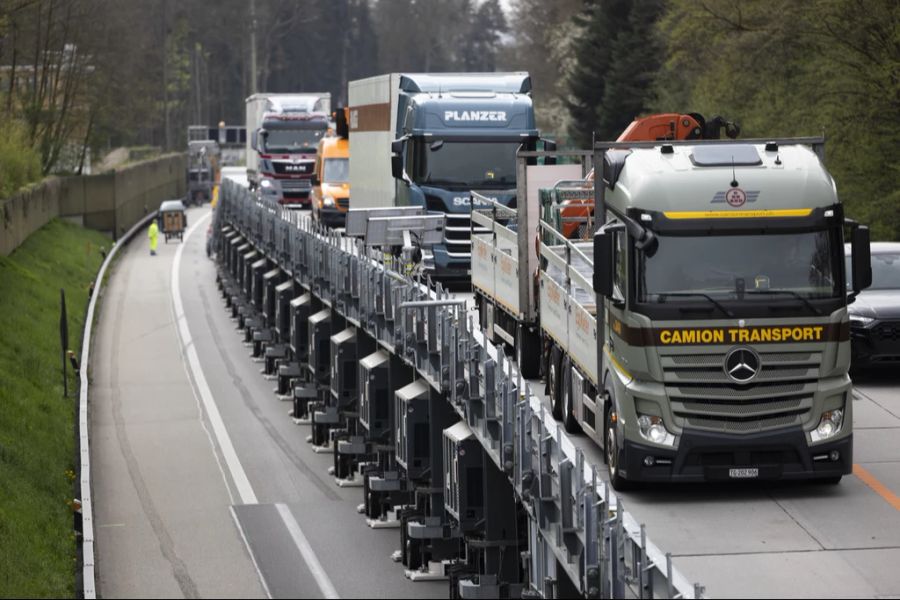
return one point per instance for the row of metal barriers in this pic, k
(435, 426)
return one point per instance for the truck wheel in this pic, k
(528, 352)
(553, 381)
(568, 405)
(611, 448)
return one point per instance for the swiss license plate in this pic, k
(743, 473)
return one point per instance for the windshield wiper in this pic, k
(716, 303)
(802, 299)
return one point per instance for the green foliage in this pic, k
(37, 448)
(787, 68)
(634, 61)
(600, 25)
(20, 163)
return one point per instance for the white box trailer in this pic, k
(373, 126)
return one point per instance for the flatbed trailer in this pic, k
(505, 262)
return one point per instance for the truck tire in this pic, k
(611, 452)
(568, 405)
(528, 352)
(553, 381)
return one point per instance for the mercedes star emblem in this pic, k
(742, 365)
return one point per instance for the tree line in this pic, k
(779, 67)
(107, 73)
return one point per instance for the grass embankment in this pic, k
(37, 442)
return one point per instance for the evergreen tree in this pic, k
(629, 80)
(600, 23)
(487, 25)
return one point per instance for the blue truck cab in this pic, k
(460, 132)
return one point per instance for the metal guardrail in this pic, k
(575, 520)
(89, 586)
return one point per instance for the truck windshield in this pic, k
(337, 170)
(488, 164)
(753, 268)
(292, 140)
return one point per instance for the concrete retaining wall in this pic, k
(111, 202)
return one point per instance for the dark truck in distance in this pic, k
(429, 139)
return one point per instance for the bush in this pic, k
(20, 162)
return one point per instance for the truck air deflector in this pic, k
(514, 83)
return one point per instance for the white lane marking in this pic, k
(238, 475)
(262, 580)
(309, 555)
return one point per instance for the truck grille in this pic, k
(457, 235)
(296, 185)
(287, 168)
(702, 396)
(888, 331)
(343, 203)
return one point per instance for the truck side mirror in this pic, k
(254, 139)
(861, 258)
(603, 262)
(398, 148)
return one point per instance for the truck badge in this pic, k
(736, 197)
(742, 365)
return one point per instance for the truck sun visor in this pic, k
(613, 163)
(725, 155)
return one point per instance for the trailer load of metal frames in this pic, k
(431, 421)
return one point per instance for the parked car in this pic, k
(875, 316)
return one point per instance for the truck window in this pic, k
(337, 170)
(488, 164)
(804, 264)
(292, 140)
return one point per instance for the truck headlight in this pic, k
(860, 321)
(265, 183)
(829, 425)
(653, 429)
(328, 201)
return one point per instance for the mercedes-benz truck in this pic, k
(702, 333)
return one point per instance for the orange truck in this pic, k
(575, 212)
(331, 177)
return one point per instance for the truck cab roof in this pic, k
(514, 83)
(334, 147)
(709, 180)
(471, 113)
(280, 120)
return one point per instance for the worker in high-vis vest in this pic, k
(153, 234)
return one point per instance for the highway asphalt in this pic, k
(204, 486)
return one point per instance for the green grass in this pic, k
(37, 436)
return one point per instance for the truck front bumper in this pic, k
(332, 217)
(444, 267)
(705, 456)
